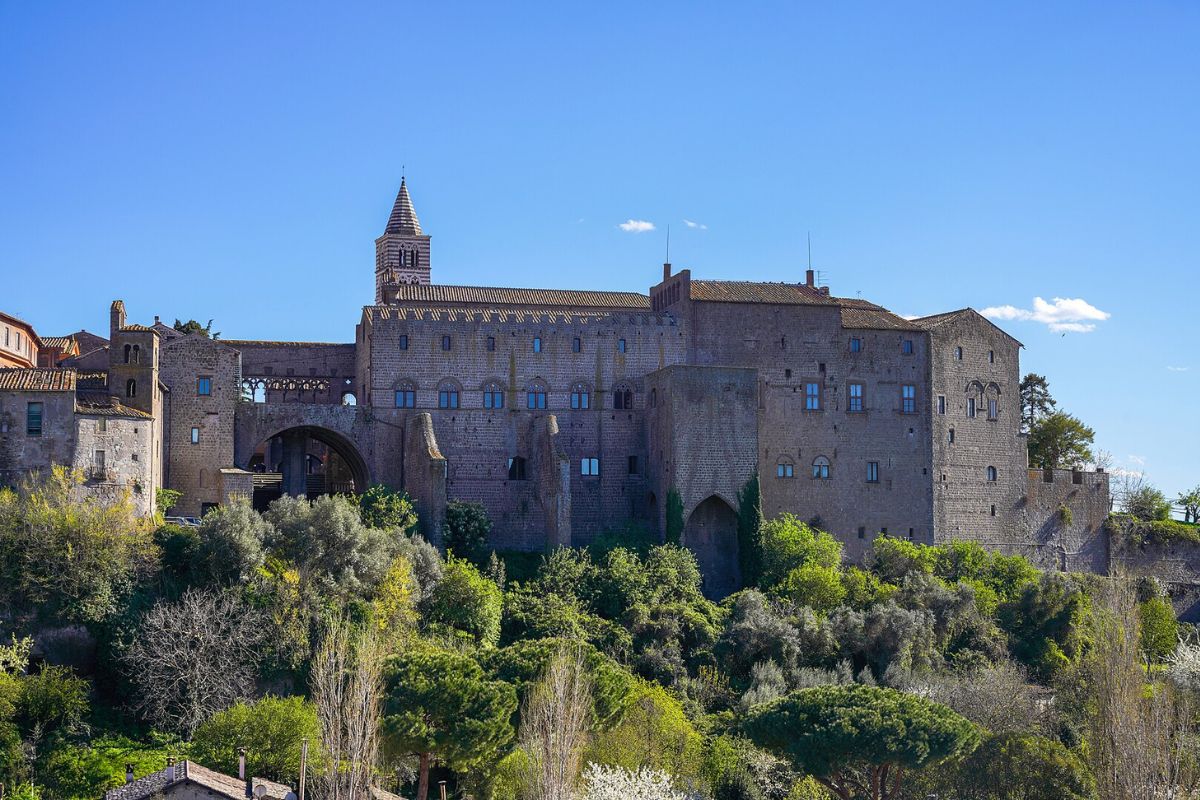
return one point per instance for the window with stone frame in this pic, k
(622, 397)
(204, 385)
(493, 396)
(993, 409)
(406, 395)
(535, 396)
(33, 419)
(195, 436)
(448, 392)
(820, 468)
(971, 407)
(589, 467)
(785, 469)
(812, 397)
(991, 474)
(908, 399)
(906, 347)
(580, 397)
(855, 402)
(941, 404)
(855, 344)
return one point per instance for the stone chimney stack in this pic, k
(666, 270)
(116, 318)
(810, 278)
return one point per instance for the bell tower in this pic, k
(402, 252)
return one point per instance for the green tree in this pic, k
(466, 601)
(818, 587)
(1015, 766)
(1147, 503)
(1190, 500)
(1036, 401)
(165, 499)
(1159, 629)
(1045, 624)
(442, 705)
(384, 507)
(231, 539)
(857, 740)
(271, 730)
(1060, 441)
(750, 521)
(466, 530)
(788, 543)
(674, 517)
(192, 326)
(896, 559)
(653, 732)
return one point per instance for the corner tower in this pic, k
(402, 252)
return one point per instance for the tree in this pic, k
(857, 740)
(271, 729)
(192, 326)
(788, 543)
(231, 539)
(555, 720)
(384, 507)
(466, 601)
(1147, 503)
(1060, 441)
(1190, 500)
(466, 530)
(818, 587)
(194, 658)
(1160, 629)
(1018, 766)
(67, 558)
(617, 783)
(1045, 624)
(441, 705)
(749, 525)
(347, 690)
(1036, 401)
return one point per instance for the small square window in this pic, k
(195, 436)
(404, 341)
(906, 347)
(589, 466)
(787, 374)
(537, 344)
(204, 385)
(855, 344)
(447, 343)
(620, 345)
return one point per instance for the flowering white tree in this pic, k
(618, 783)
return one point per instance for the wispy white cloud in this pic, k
(1063, 315)
(1177, 369)
(696, 225)
(1139, 460)
(636, 226)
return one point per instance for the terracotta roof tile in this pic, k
(98, 405)
(499, 296)
(37, 379)
(537, 314)
(61, 342)
(139, 328)
(868, 316)
(756, 292)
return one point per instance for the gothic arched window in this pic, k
(493, 395)
(131, 388)
(448, 395)
(535, 395)
(580, 396)
(622, 397)
(820, 468)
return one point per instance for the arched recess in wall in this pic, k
(711, 534)
(332, 464)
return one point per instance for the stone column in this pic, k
(295, 476)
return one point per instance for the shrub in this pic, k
(788, 543)
(466, 601)
(466, 530)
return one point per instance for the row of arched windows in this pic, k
(785, 468)
(536, 393)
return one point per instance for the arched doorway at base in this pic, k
(306, 461)
(711, 534)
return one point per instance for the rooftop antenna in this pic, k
(668, 244)
(810, 249)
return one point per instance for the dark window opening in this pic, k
(516, 468)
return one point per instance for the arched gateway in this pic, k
(711, 534)
(306, 461)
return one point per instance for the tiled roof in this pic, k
(934, 321)
(235, 343)
(37, 379)
(513, 315)
(867, 316)
(755, 292)
(139, 328)
(497, 296)
(189, 771)
(61, 342)
(97, 404)
(404, 217)
(91, 380)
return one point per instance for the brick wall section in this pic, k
(291, 370)
(425, 475)
(194, 468)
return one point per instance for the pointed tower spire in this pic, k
(403, 220)
(402, 252)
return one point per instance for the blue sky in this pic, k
(235, 161)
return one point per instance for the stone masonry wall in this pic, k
(19, 452)
(129, 465)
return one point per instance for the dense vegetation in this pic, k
(604, 671)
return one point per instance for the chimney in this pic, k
(156, 319)
(666, 270)
(810, 278)
(242, 763)
(129, 773)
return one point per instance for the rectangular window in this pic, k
(620, 345)
(102, 425)
(941, 404)
(855, 344)
(991, 356)
(812, 397)
(907, 347)
(993, 409)
(908, 399)
(856, 397)
(862, 531)
(195, 436)
(872, 472)
(446, 342)
(633, 465)
(785, 471)
(204, 385)
(493, 397)
(404, 341)
(33, 419)
(576, 345)
(537, 344)
(448, 398)
(589, 466)
(406, 398)
(99, 459)
(535, 398)
(971, 407)
(491, 344)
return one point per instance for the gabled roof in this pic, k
(425, 293)
(183, 772)
(758, 292)
(868, 316)
(37, 379)
(935, 321)
(403, 220)
(61, 342)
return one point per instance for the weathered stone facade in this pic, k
(571, 413)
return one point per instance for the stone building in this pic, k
(569, 413)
